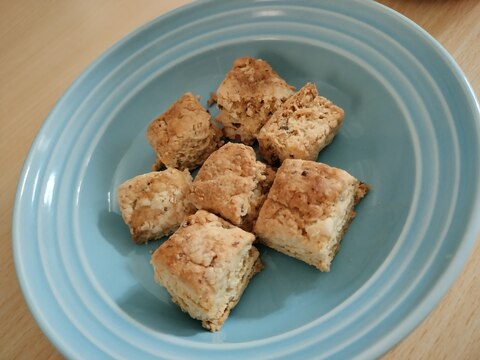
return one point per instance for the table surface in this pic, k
(45, 45)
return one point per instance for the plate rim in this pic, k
(422, 309)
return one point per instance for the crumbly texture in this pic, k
(154, 205)
(233, 184)
(250, 93)
(301, 128)
(184, 136)
(205, 266)
(308, 209)
(212, 99)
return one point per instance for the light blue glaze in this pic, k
(411, 131)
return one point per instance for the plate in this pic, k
(411, 131)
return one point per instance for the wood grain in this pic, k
(45, 45)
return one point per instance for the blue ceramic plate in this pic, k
(411, 131)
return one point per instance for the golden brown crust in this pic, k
(183, 137)
(232, 184)
(212, 99)
(154, 205)
(301, 127)
(362, 190)
(250, 93)
(206, 265)
(307, 210)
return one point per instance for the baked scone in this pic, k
(233, 184)
(303, 126)
(308, 209)
(250, 93)
(155, 204)
(205, 266)
(183, 136)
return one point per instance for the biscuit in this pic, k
(233, 184)
(300, 128)
(308, 209)
(205, 266)
(155, 204)
(250, 93)
(183, 137)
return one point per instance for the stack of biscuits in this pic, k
(288, 202)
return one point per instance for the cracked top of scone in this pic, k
(202, 252)
(232, 184)
(301, 127)
(183, 136)
(154, 204)
(303, 193)
(250, 93)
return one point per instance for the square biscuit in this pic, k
(250, 93)
(308, 209)
(206, 266)
(183, 136)
(154, 205)
(233, 184)
(300, 128)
